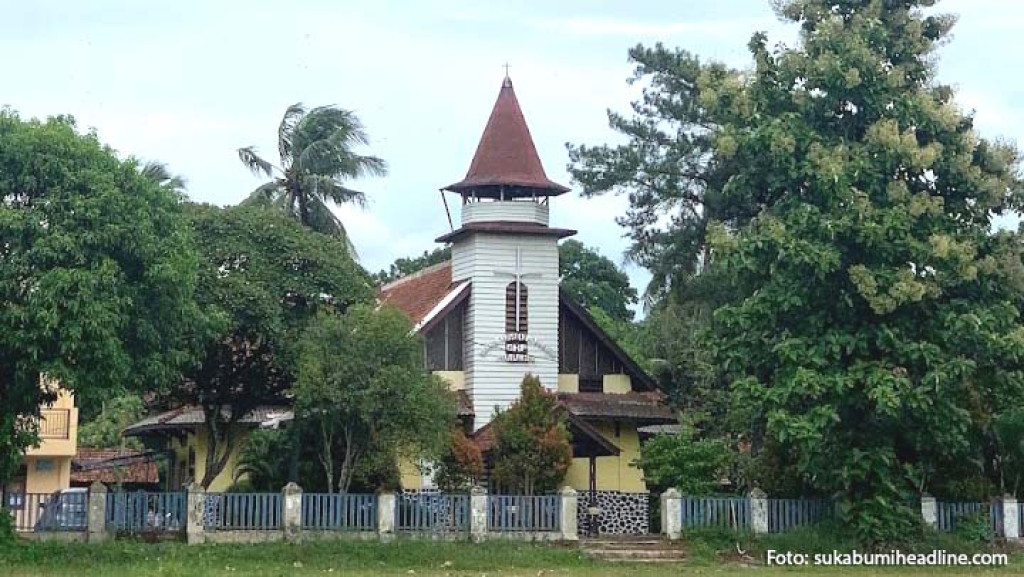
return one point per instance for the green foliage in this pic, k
(694, 466)
(1008, 429)
(594, 281)
(974, 528)
(869, 317)
(97, 273)
(264, 277)
(7, 534)
(531, 450)
(265, 459)
(104, 430)
(407, 266)
(316, 157)
(363, 389)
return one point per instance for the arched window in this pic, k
(515, 308)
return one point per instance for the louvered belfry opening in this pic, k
(515, 316)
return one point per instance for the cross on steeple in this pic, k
(506, 66)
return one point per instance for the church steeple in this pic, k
(506, 163)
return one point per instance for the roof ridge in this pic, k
(418, 274)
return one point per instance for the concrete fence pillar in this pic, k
(195, 503)
(386, 502)
(1011, 517)
(758, 511)
(96, 531)
(672, 513)
(478, 514)
(291, 520)
(570, 514)
(930, 511)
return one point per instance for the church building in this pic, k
(495, 313)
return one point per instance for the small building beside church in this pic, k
(495, 313)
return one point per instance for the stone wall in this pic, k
(620, 513)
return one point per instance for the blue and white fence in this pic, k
(432, 512)
(949, 514)
(242, 511)
(538, 513)
(339, 512)
(786, 514)
(143, 512)
(728, 512)
(39, 512)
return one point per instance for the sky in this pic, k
(187, 82)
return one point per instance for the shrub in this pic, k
(6, 527)
(974, 528)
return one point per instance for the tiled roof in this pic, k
(506, 154)
(189, 417)
(417, 294)
(649, 407)
(114, 466)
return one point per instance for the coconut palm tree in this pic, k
(161, 175)
(315, 149)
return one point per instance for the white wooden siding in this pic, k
(518, 211)
(487, 260)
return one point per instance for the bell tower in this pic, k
(508, 252)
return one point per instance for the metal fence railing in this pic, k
(339, 511)
(432, 512)
(54, 423)
(242, 511)
(144, 512)
(786, 514)
(62, 511)
(950, 513)
(728, 512)
(524, 513)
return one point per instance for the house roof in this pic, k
(114, 466)
(506, 155)
(647, 407)
(583, 435)
(189, 417)
(417, 295)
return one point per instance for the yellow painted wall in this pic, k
(47, 474)
(456, 379)
(617, 384)
(409, 474)
(60, 447)
(568, 383)
(198, 441)
(613, 473)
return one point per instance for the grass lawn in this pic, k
(357, 559)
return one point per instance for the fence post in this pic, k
(291, 520)
(672, 513)
(930, 511)
(570, 505)
(97, 519)
(478, 514)
(386, 515)
(195, 502)
(758, 511)
(1011, 521)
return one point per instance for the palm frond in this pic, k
(254, 163)
(286, 131)
(158, 173)
(266, 194)
(327, 188)
(322, 219)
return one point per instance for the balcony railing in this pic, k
(54, 423)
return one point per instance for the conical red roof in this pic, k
(506, 155)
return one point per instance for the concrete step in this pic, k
(638, 554)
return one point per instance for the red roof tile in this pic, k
(506, 154)
(114, 466)
(418, 294)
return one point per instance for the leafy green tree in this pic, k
(97, 274)
(878, 314)
(265, 277)
(1008, 429)
(316, 157)
(407, 266)
(363, 389)
(531, 450)
(594, 281)
(104, 430)
(694, 466)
